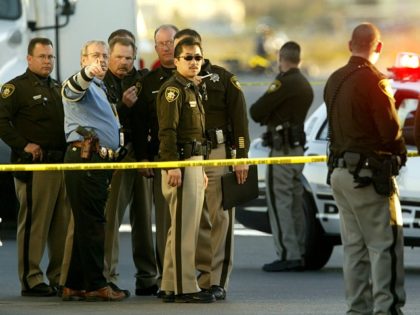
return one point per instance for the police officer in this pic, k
(92, 132)
(227, 129)
(145, 133)
(31, 123)
(367, 149)
(181, 134)
(128, 187)
(283, 109)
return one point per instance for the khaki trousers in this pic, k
(372, 236)
(284, 192)
(215, 243)
(185, 205)
(43, 218)
(130, 189)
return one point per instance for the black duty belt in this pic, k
(195, 148)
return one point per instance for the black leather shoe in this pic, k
(116, 288)
(167, 296)
(147, 291)
(60, 289)
(39, 290)
(218, 292)
(197, 297)
(284, 265)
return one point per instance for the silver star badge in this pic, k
(214, 77)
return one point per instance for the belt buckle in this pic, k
(103, 152)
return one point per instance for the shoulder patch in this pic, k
(139, 86)
(171, 93)
(7, 90)
(274, 86)
(386, 88)
(235, 82)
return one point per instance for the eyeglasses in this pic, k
(97, 55)
(45, 57)
(168, 43)
(190, 57)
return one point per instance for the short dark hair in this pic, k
(188, 32)
(122, 32)
(165, 26)
(290, 51)
(38, 40)
(186, 42)
(124, 41)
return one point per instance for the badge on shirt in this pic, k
(274, 86)
(7, 90)
(214, 77)
(171, 94)
(235, 82)
(37, 97)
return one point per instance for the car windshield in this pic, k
(10, 9)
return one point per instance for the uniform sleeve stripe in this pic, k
(84, 75)
(74, 85)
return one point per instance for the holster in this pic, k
(88, 145)
(383, 171)
(267, 139)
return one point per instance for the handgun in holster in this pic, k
(89, 144)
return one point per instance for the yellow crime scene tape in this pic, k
(168, 164)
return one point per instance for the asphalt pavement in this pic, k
(251, 290)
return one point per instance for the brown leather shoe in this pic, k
(73, 295)
(105, 294)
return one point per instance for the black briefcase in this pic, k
(235, 194)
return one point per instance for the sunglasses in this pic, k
(189, 57)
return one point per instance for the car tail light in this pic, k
(407, 67)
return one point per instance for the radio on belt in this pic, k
(219, 136)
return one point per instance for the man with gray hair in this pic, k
(283, 109)
(366, 151)
(91, 128)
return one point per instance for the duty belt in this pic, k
(195, 148)
(104, 152)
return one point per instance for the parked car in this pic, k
(321, 212)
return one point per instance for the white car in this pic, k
(322, 219)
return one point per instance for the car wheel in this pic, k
(318, 247)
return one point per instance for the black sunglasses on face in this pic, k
(189, 57)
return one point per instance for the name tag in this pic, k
(193, 104)
(37, 97)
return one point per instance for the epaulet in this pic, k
(19, 77)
